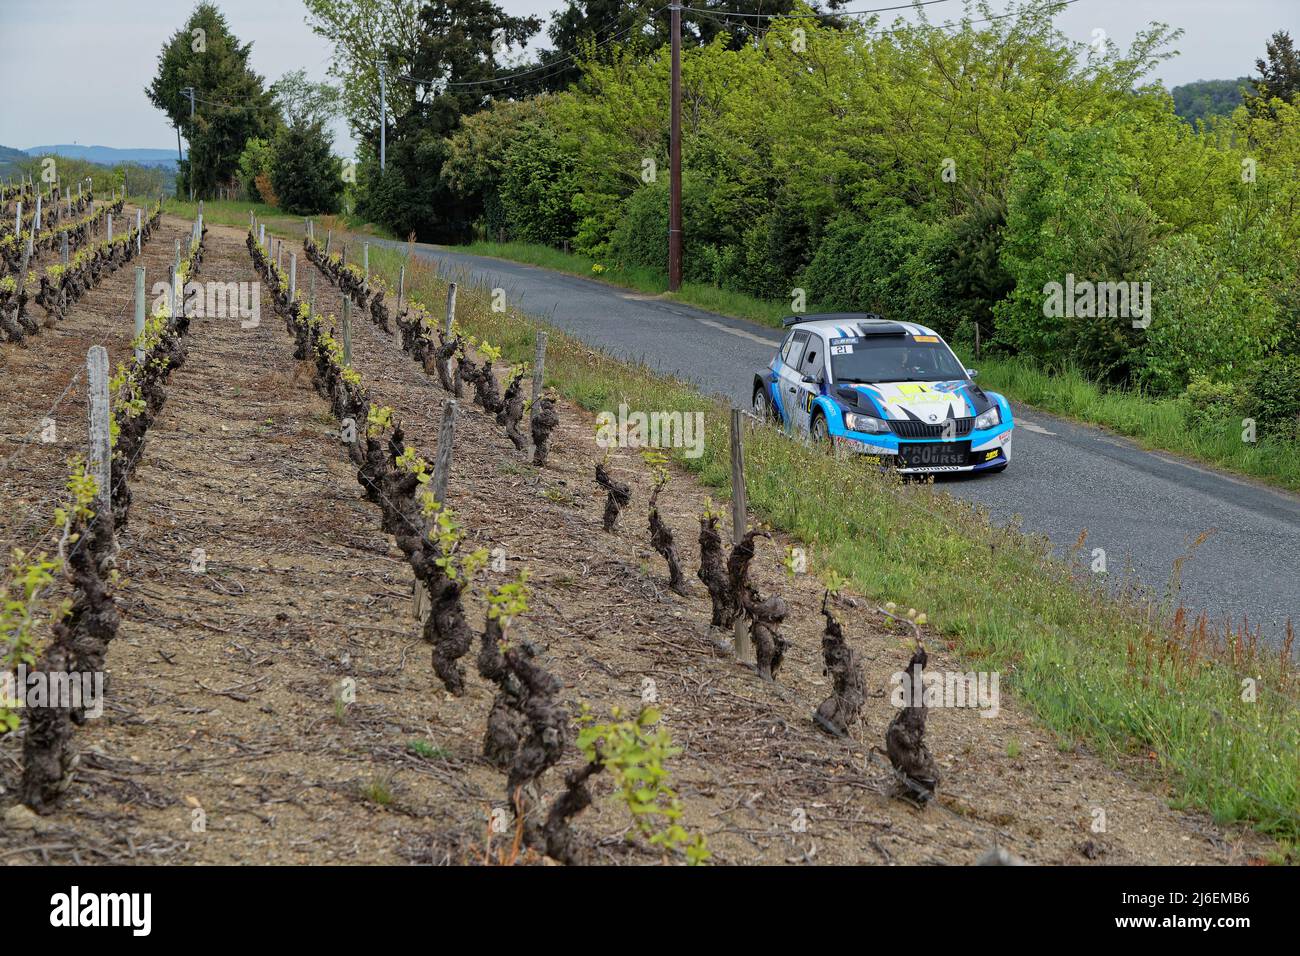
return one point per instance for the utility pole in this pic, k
(189, 90)
(383, 121)
(675, 157)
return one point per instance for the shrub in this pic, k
(641, 237)
(1207, 402)
(537, 190)
(1274, 395)
(305, 175)
(885, 265)
(255, 164)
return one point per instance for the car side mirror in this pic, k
(809, 380)
(972, 372)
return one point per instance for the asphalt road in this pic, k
(1143, 508)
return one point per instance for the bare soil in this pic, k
(224, 741)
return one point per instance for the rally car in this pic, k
(891, 391)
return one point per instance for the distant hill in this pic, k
(9, 158)
(152, 171)
(1206, 98)
(109, 156)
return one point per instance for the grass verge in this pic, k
(1137, 682)
(1155, 423)
(234, 212)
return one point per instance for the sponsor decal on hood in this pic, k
(928, 402)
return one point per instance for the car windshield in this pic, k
(893, 359)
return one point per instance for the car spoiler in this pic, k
(868, 323)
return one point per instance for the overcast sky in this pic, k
(84, 80)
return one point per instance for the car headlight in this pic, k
(865, 423)
(989, 419)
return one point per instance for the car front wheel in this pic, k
(762, 405)
(819, 430)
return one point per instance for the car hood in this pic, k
(920, 401)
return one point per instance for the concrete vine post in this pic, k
(139, 311)
(101, 450)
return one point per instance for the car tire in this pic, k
(818, 430)
(761, 405)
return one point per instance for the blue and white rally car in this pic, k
(892, 391)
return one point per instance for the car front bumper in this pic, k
(982, 449)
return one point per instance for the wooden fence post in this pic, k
(139, 311)
(401, 286)
(739, 519)
(101, 450)
(365, 258)
(442, 463)
(329, 236)
(109, 234)
(137, 232)
(293, 276)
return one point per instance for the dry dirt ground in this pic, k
(224, 739)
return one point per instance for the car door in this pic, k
(789, 380)
(810, 376)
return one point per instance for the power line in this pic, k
(234, 106)
(532, 70)
(814, 14)
(722, 16)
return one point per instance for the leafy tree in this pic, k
(477, 161)
(1279, 75)
(366, 33)
(306, 176)
(299, 100)
(231, 106)
(1071, 209)
(537, 191)
(454, 52)
(254, 165)
(586, 26)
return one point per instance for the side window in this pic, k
(794, 354)
(785, 347)
(812, 358)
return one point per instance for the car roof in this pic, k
(855, 324)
